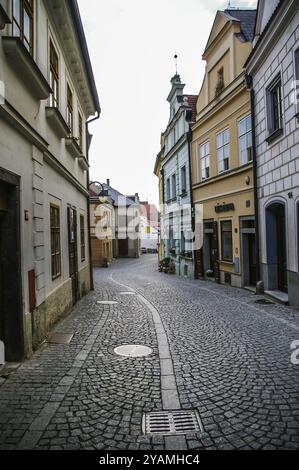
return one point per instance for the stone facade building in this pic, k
(273, 68)
(49, 95)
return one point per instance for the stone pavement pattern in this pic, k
(231, 359)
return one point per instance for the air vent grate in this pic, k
(172, 422)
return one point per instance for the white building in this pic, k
(50, 94)
(149, 226)
(274, 68)
(175, 167)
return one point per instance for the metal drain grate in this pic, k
(61, 338)
(172, 422)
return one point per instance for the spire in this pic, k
(176, 63)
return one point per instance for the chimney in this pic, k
(108, 182)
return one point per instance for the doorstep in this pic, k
(278, 295)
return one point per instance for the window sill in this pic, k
(274, 135)
(4, 18)
(56, 121)
(73, 147)
(23, 63)
(228, 263)
(83, 163)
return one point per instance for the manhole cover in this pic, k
(127, 293)
(61, 338)
(171, 422)
(107, 302)
(133, 350)
(264, 302)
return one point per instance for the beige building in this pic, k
(49, 96)
(222, 173)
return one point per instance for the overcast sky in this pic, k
(132, 44)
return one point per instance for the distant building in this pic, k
(149, 226)
(48, 93)
(115, 226)
(173, 168)
(274, 69)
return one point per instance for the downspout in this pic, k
(189, 139)
(88, 201)
(249, 82)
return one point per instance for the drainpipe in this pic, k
(189, 140)
(88, 202)
(249, 82)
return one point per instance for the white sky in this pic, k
(132, 44)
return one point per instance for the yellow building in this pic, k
(222, 168)
(101, 231)
(159, 173)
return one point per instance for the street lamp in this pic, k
(103, 193)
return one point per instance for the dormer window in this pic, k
(220, 82)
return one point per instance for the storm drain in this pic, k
(107, 302)
(133, 350)
(61, 338)
(172, 422)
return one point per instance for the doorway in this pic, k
(11, 306)
(123, 248)
(249, 260)
(276, 247)
(73, 253)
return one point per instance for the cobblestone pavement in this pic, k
(230, 357)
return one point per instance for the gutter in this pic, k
(249, 82)
(189, 140)
(89, 201)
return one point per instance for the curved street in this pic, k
(214, 350)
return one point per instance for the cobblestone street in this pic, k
(229, 356)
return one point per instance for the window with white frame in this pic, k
(183, 180)
(223, 151)
(204, 152)
(168, 195)
(173, 184)
(245, 140)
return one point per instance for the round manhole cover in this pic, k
(127, 293)
(107, 302)
(133, 350)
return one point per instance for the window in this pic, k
(173, 183)
(168, 195)
(69, 111)
(274, 106)
(226, 241)
(82, 237)
(297, 80)
(183, 242)
(22, 22)
(220, 82)
(54, 77)
(245, 140)
(80, 131)
(223, 151)
(183, 180)
(205, 161)
(55, 241)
